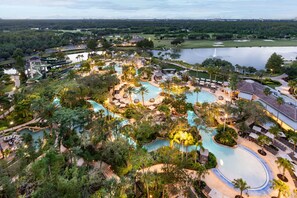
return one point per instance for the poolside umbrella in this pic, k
(269, 135)
(281, 134)
(117, 96)
(253, 135)
(151, 107)
(122, 105)
(258, 129)
(285, 156)
(226, 84)
(117, 103)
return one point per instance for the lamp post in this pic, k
(226, 115)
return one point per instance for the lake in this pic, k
(245, 56)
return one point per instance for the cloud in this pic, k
(148, 8)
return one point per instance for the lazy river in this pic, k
(233, 163)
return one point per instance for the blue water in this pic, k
(35, 135)
(241, 56)
(203, 96)
(153, 92)
(234, 163)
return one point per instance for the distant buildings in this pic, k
(285, 114)
(36, 67)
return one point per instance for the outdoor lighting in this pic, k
(14, 88)
(11, 122)
(221, 162)
(25, 146)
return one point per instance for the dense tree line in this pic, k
(261, 29)
(32, 41)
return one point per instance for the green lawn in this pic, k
(209, 44)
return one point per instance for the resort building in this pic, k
(285, 114)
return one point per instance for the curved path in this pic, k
(19, 126)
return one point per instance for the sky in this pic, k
(148, 9)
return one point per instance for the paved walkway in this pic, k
(17, 83)
(7, 112)
(284, 88)
(20, 126)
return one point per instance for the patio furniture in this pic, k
(152, 100)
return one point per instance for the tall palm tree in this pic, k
(293, 85)
(241, 185)
(201, 171)
(284, 164)
(267, 92)
(294, 139)
(185, 139)
(282, 188)
(211, 71)
(142, 90)
(279, 101)
(197, 90)
(262, 141)
(130, 90)
(275, 131)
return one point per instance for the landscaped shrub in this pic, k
(226, 136)
(212, 161)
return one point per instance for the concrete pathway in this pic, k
(7, 112)
(20, 126)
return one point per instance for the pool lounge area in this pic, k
(233, 163)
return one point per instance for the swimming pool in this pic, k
(153, 92)
(203, 96)
(233, 164)
(35, 135)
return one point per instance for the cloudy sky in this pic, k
(147, 9)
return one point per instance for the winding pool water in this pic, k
(153, 92)
(203, 96)
(233, 163)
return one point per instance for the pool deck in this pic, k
(215, 183)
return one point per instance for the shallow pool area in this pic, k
(153, 92)
(233, 163)
(35, 135)
(203, 96)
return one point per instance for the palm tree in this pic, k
(142, 90)
(294, 139)
(282, 188)
(201, 171)
(293, 85)
(285, 165)
(262, 141)
(183, 138)
(130, 90)
(241, 185)
(279, 101)
(274, 130)
(267, 92)
(197, 90)
(211, 70)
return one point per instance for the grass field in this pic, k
(209, 44)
